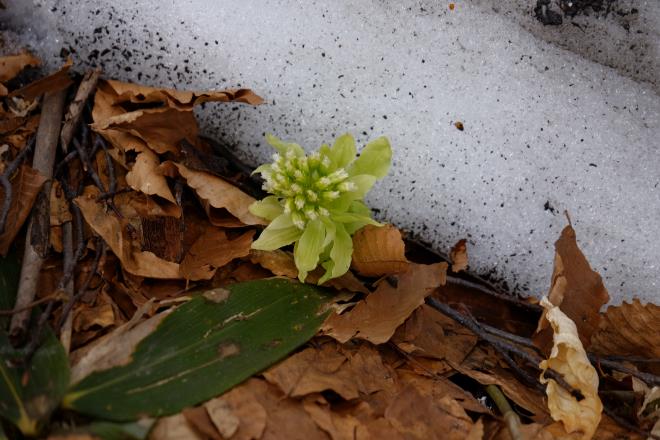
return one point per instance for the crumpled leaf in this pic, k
(57, 81)
(631, 329)
(212, 250)
(11, 65)
(378, 251)
(144, 175)
(576, 289)
(459, 256)
(570, 360)
(26, 185)
(216, 191)
(113, 230)
(377, 316)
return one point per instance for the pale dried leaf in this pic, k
(339, 426)
(459, 256)
(173, 428)
(377, 316)
(570, 360)
(218, 192)
(113, 230)
(144, 175)
(378, 251)
(212, 250)
(631, 329)
(240, 409)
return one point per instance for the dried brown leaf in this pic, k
(114, 232)
(459, 256)
(200, 421)
(59, 205)
(212, 250)
(11, 65)
(52, 83)
(173, 428)
(576, 289)
(417, 416)
(339, 426)
(631, 329)
(377, 316)
(431, 334)
(217, 192)
(281, 263)
(349, 373)
(26, 185)
(378, 251)
(238, 414)
(144, 175)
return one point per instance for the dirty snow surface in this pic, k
(555, 118)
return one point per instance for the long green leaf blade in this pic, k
(205, 347)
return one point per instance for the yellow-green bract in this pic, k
(316, 200)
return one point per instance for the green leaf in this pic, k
(283, 147)
(268, 208)
(28, 394)
(309, 247)
(363, 182)
(204, 348)
(375, 159)
(271, 239)
(340, 255)
(343, 151)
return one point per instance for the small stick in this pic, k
(75, 111)
(510, 417)
(53, 297)
(650, 379)
(483, 289)
(629, 426)
(6, 184)
(44, 158)
(67, 282)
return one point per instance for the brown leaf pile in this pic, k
(158, 211)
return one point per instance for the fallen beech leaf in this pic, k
(419, 417)
(281, 263)
(212, 250)
(631, 329)
(459, 256)
(377, 316)
(161, 129)
(570, 360)
(349, 373)
(219, 193)
(11, 65)
(340, 426)
(26, 185)
(378, 251)
(429, 333)
(173, 428)
(100, 314)
(139, 94)
(144, 175)
(238, 414)
(57, 81)
(576, 289)
(200, 421)
(113, 231)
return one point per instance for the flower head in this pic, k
(316, 200)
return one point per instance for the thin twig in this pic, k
(6, 184)
(650, 379)
(488, 291)
(55, 296)
(100, 251)
(44, 158)
(626, 424)
(67, 282)
(510, 417)
(75, 111)
(87, 164)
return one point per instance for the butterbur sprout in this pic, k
(316, 201)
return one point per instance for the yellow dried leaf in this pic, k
(378, 251)
(569, 358)
(459, 256)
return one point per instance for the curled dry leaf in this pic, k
(570, 360)
(378, 251)
(377, 316)
(217, 192)
(238, 414)
(114, 231)
(281, 263)
(213, 249)
(631, 329)
(576, 289)
(26, 185)
(11, 65)
(52, 83)
(459, 256)
(144, 175)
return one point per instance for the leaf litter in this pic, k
(155, 213)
